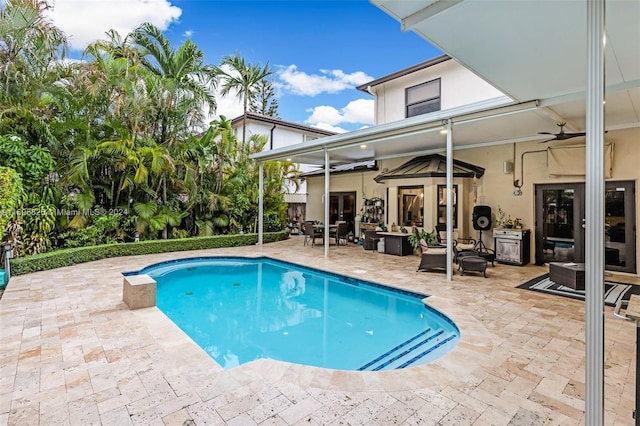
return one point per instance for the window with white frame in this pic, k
(423, 98)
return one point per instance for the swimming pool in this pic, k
(242, 309)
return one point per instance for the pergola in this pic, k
(548, 57)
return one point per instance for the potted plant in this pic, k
(421, 234)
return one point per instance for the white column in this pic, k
(260, 202)
(594, 210)
(449, 189)
(326, 202)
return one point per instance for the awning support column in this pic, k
(326, 202)
(260, 202)
(594, 210)
(449, 189)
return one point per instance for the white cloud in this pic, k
(85, 21)
(358, 111)
(229, 106)
(188, 33)
(329, 81)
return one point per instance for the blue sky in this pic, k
(320, 50)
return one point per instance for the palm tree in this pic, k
(180, 82)
(241, 78)
(29, 44)
(30, 50)
(184, 77)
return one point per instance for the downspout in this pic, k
(375, 109)
(271, 137)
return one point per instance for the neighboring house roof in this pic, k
(403, 72)
(362, 166)
(278, 122)
(434, 165)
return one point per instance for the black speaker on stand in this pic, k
(481, 222)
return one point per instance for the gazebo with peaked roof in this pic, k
(434, 165)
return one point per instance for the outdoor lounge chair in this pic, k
(432, 257)
(459, 244)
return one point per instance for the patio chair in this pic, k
(310, 233)
(432, 257)
(340, 233)
(371, 239)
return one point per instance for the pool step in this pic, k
(410, 351)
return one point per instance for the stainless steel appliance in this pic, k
(513, 246)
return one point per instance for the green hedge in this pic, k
(67, 257)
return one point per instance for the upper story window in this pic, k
(423, 98)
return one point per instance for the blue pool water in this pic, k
(239, 310)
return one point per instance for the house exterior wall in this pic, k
(494, 189)
(458, 86)
(281, 136)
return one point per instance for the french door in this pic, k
(620, 224)
(560, 216)
(342, 206)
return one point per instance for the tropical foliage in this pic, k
(119, 146)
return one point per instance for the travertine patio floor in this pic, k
(72, 353)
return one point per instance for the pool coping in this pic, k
(339, 277)
(426, 374)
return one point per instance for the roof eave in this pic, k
(422, 65)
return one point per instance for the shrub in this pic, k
(10, 192)
(72, 256)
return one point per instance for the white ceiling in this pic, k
(538, 49)
(537, 56)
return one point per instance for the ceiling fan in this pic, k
(561, 135)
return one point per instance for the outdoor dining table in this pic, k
(320, 227)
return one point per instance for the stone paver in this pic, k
(72, 353)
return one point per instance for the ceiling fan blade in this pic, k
(563, 136)
(546, 133)
(548, 140)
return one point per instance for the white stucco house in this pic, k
(500, 158)
(535, 180)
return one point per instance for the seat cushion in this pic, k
(437, 250)
(465, 246)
